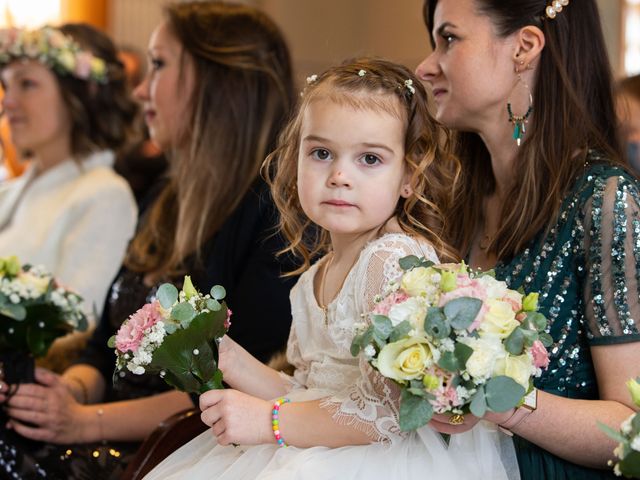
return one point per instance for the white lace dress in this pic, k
(355, 393)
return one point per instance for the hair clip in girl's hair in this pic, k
(409, 86)
(555, 8)
(361, 73)
(312, 79)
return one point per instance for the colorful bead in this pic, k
(275, 422)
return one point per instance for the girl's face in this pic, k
(39, 119)
(167, 88)
(351, 167)
(471, 70)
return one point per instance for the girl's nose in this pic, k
(339, 178)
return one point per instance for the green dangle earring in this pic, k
(519, 121)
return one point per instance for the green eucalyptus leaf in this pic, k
(611, 433)
(462, 352)
(415, 411)
(426, 263)
(361, 340)
(111, 343)
(218, 292)
(537, 321)
(478, 406)
(14, 311)
(546, 339)
(449, 362)
(418, 392)
(183, 313)
(400, 331)
(409, 262)
(213, 304)
(167, 295)
(382, 326)
(503, 393)
(461, 312)
(436, 324)
(514, 343)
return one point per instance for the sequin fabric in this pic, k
(587, 270)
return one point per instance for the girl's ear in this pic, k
(529, 43)
(406, 191)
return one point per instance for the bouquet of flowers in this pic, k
(455, 342)
(177, 337)
(628, 449)
(34, 310)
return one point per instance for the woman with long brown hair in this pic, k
(547, 201)
(218, 90)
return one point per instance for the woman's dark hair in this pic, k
(573, 113)
(242, 96)
(102, 115)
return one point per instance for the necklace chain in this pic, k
(324, 307)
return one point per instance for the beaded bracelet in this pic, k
(275, 422)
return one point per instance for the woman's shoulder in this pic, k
(599, 172)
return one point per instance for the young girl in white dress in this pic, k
(363, 161)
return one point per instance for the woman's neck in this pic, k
(503, 151)
(51, 156)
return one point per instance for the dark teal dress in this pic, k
(587, 270)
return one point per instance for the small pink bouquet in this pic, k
(177, 337)
(456, 342)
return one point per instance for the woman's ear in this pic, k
(529, 43)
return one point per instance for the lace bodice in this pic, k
(352, 390)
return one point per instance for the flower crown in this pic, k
(54, 49)
(406, 88)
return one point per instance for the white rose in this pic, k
(486, 352)
(406, 359)
(500, 319)
(416, 281)
(519, 368)
(412, 310)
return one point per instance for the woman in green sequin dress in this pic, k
(548, 203)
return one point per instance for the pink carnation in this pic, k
(540, 355)
(385, 305)
(132, 331)
(83, 65)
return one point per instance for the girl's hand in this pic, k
(237, 418)
(46, 411)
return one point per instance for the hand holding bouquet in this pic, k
(34, 309)
(176, 336)
(628, 449)
(455, 342)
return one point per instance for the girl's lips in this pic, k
(438, 92)
(149, 115)
(339, 203)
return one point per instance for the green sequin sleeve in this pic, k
(612, 251)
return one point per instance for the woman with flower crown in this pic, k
(69, 111)
(547, 201)
(218, 89)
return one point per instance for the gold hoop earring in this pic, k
(519, 121)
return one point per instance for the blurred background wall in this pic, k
(320, 32)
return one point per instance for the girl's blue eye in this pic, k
(370, 159)
(321, 154)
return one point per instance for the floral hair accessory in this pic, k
(361, 73)
(311, 79)
(54, 49)
(409, 86)
(555, 8)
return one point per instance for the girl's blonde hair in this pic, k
(370, 83)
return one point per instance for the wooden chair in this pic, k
(170, 435)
